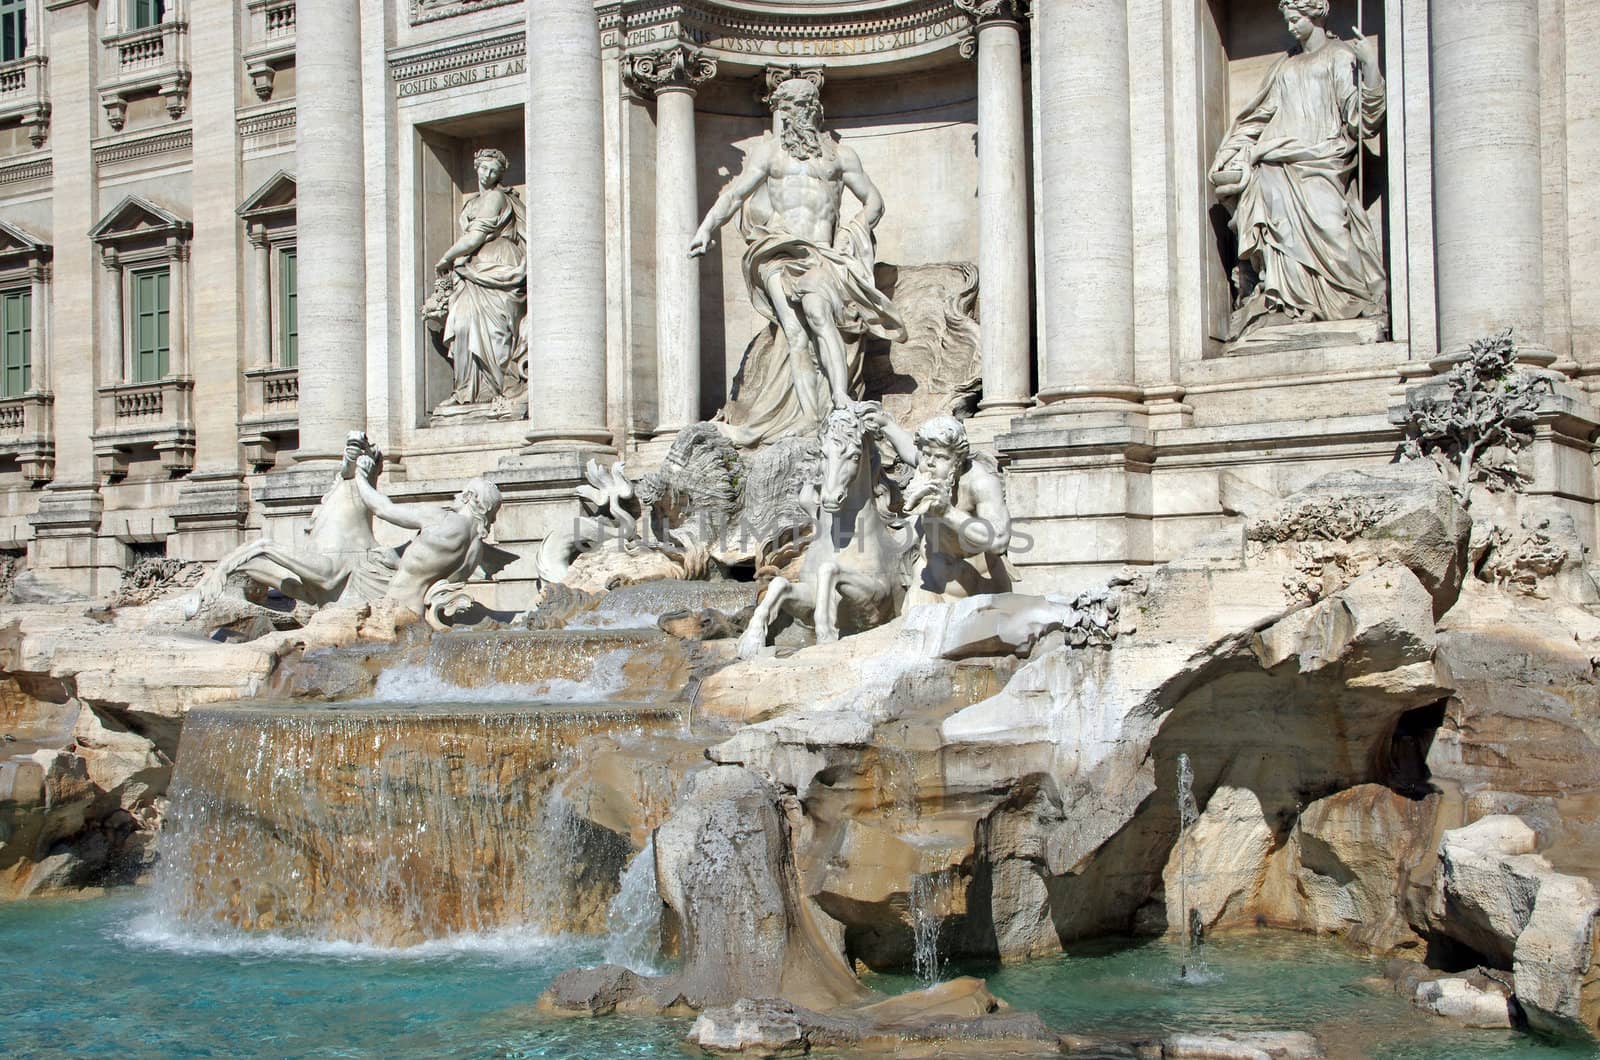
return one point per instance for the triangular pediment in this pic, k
(16, 242)
(136, 217)
(276, 196)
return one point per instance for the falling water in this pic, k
(387, 826)
(1192, 965)
(633, 920)
(928, 906)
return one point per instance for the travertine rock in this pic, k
(1219, 866)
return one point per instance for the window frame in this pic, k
(285, 305)
(138, 9)
(14, 29)
(14, 294)
(132, 313)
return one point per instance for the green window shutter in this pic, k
(16, 336)
(288, 309)
(152, 338)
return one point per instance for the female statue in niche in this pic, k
(481, 295)
(1306, 249)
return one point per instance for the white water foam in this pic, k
(514, 946)
(603, 620)
(634, 917)
(421, 684)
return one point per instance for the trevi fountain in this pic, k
(929, 528)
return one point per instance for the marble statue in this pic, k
(809, 271)
(961, 499)
(340, 560)
(329, 564)
(429, 571)
(852, 575)
(480, 299)
(1288, 168)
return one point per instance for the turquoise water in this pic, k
(100, 977)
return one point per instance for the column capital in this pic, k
(983, 12)
(776, 74)
(676, 66)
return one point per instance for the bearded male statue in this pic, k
(808, 272)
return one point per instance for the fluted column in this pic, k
(1086, 216)
(566, 227)
(1002, 201)
(331, 228)
(258, 352)
(1487, 180)
(671, 75)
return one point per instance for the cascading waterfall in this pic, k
(633, 920)
(384, 825)
(928, 901)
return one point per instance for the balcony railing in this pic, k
(25, 95)
(272, 413)
(272, 26)
(26, 434)
(158, 415)
(154, 59)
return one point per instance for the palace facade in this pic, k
(222, 222)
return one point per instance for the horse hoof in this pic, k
(828, 637)
(750, 647)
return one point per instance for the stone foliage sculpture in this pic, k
(1288, 167)
(1479, 420)
(480, 299)
(340, 561)
(807, 270)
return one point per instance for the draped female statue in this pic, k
(481, 296)
(1288, 165)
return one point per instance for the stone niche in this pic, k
(1240, 41)
(446, 178)
(916, 134)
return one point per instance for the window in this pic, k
(16, 336)
(152, 338)
(13, 29)
(147, 13)
(288, 310)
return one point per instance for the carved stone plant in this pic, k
(1483, 419)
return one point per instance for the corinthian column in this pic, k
(1086, 216)
(671, 75)
(1487, 181)
(566, 227)
(1002, 201)
(331, 229)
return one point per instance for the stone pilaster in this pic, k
(66, 549)
(1487, 176)
(1003, 216)
(671, 75)
(213, 506)
(331, 229)
(566, 185)
(1086, 222)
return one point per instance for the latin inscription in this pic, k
(467, 75)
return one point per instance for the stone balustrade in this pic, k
(26, 434)
(271, 48)
(152, 60)
(272, 414)
(158, 415)
(25, 95)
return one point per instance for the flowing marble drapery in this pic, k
(489, 301)
(1290, 159)
(780, 391)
